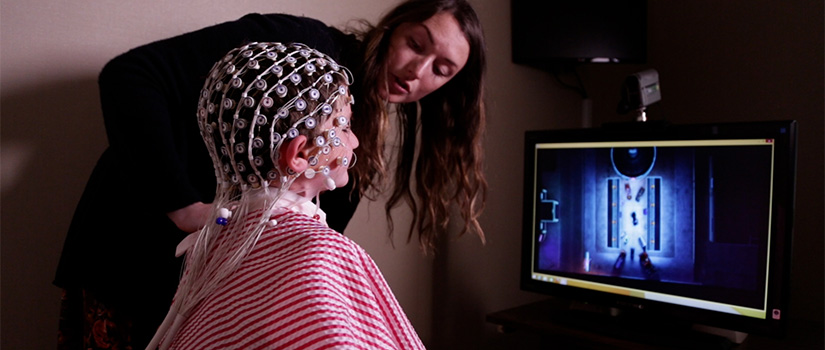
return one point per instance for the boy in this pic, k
(266, 272)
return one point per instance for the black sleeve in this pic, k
(340, 205)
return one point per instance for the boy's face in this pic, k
(339, 123)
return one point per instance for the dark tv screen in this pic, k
(585, 31)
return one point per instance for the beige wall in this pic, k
(760, 62)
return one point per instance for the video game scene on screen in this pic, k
(656, 217)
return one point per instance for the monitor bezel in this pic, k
(781, 218)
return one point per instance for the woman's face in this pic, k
(422, 57)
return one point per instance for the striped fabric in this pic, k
(303, 286)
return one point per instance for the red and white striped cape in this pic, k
(303, 286)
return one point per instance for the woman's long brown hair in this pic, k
(451, 121)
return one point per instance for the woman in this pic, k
(140, 202)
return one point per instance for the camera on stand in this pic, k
(639, 91)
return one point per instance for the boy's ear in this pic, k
(292, 155)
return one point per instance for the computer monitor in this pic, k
(686, 221)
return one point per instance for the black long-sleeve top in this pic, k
(120, 244)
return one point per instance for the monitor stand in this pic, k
(604, 327)
(733, 336)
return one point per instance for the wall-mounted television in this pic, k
(686, 222)
(579, 31)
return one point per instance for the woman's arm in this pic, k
(191, 217)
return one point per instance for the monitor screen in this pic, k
(691, 219)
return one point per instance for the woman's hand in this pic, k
(192, 217)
